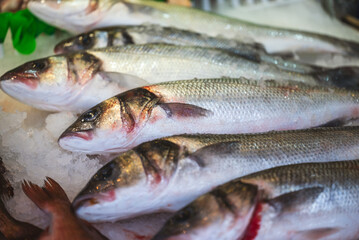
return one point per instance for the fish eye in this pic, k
(184, 215)
(90, 115)
(39, 65)
(106, 173)
(86, 39)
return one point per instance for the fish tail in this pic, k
(55, 190)
(44, 196)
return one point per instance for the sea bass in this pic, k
(166, 174)
(217, 106)
(304, 201)
(144, 34)
(65, 225)
(79, 16)
(78, 81)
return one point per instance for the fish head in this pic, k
(224, 212)
(89, 40)
(73, 15)
(112, 125)
(51, 83)
(129, 185)
(97, 200)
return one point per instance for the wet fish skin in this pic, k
(166, 174)
(212, 208)
(97, 14)
(60, 83)
(218, 106)
(65, 225)
(144, 34)
(308, 193)
(149, 33)
(78, 81)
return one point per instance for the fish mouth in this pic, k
(29, 79)
(88, 200)
(86, 135)
(84, 201)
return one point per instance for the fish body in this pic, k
(64, 224)
(166, 174)
(206, 106)
(302, 201)
(77, 81)
(82, 15)
(145, 34)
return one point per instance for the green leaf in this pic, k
(24, 42)
(4, 25)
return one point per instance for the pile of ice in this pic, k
(30, 151)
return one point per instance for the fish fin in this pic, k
(125, 81)
(51, 192)
(35, 193)
(209, 153)
(334, 123)
(290, 202)
(183, 110)
(342, 77)
(315, 234)
(55, 190)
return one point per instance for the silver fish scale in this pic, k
(339, 181)
(156, 33)
(160, 62)
(254, 152)
(237, 97)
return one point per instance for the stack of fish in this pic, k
(240, 139)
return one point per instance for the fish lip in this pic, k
(90, 199)
(27, 79)
(84, 200)
(86, 135)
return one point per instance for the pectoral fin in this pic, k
(315, 234)
(182, 110)
(293, 201)
(211, 152)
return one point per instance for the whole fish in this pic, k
(64, 224)
(166, 174)
(144, 34)
(304, 201)
(217, 106)
(83, 15)
(78, 81)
